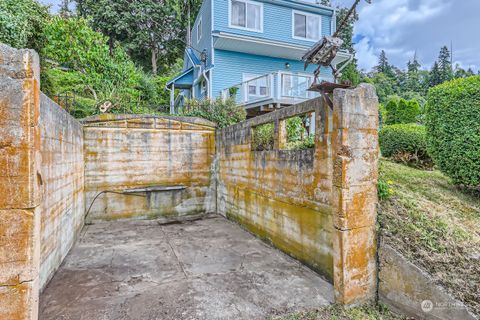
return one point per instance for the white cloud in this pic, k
(403, 27)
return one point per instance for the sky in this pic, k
(403, 27)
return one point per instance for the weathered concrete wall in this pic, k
(61, 171)
(41, 184)
(19, 183)
(410, 291)
(316, 205)
(123, 152)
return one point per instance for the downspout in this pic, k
(204, 73)
(171, 100)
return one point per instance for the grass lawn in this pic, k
(435, 225)
(338, 313)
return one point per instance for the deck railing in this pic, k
(277, 86)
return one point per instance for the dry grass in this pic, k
(338, 313)
(436, 225)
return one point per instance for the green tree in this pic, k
(435, 77)
(107, 16)
(21, 23)
(413, 76)
(383, 65)
(400, 111)
(445, 65)
(152, 31)
(77, 61)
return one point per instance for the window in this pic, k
(306, 26)
(199, 30)
(246, 15)
(256, 84)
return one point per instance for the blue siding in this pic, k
(277, 21)
(205, 14)
(230, 67)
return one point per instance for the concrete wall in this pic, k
(123, 152)
(41, 184)
(411, 291)
(61, 172)
(19, 183)
(317, 205)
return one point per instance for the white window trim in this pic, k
(230, 25)
(199, 34)
(252, 76)
(306, 14)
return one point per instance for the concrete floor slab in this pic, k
(205, 269)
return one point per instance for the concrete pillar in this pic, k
(354, 193)
(280, 135)
(19, 183)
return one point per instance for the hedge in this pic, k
(453, 129)
(405, 143)
(401, 111)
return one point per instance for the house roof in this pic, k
(183, 81)
(192, 56)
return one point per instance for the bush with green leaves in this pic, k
(297, 136)
(263, 137)
(77, 61)
(453, 129)
(22, 22)
(223, 112)
(405, 143)
(401, 111)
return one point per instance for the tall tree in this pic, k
(435, 77)
(445, 65)
(151, 30)
(383, 66)
(413, 77)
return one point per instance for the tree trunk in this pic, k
(110, 45)
(154, 61)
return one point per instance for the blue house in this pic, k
(252, 50)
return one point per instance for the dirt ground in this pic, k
(206, 269)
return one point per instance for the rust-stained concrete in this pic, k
(207, 269)
(317, 205)
(127, 151)
(19, 183)
(61, 171)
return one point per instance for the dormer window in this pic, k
(307, 26)
(245, 14)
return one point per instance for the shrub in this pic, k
(401, 111)
(453, 129)
(405, 143)
(223, 113)
(263, 137)
(21, 23)
(77, 60)
(298, 138)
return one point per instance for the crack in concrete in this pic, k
(16, 284)
(174, 253)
